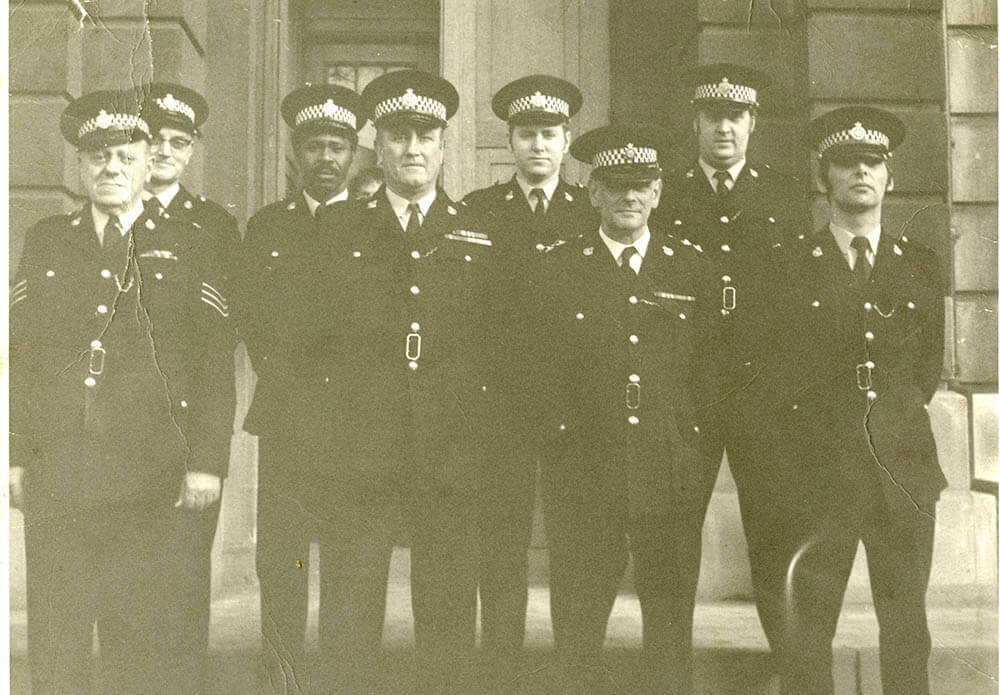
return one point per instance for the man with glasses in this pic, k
(122, 406)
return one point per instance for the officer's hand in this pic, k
(199, 490)
(17, 486)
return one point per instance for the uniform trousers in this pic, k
(355, 524)
(116, 567)
(899, 547)
(589, 537)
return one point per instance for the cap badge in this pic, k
(170, 103)
(857, 132)
(537, 101)
(568, 196)
(630, 152)
(589, 251)
(817, 252)
(409, 100)
(896, 250)
(329, 109)
(104, 120)
(725, 87)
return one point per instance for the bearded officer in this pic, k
(622, 360)
(413, 274)
(295, 409)
(866, 309)
(742, 213)
(122, 408)
(536, 206)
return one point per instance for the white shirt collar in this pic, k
(843, 237)
(734, 171)
(167, 196)
(401, 205)
(548, 186)
(313, 203)
(616, 247)
(126, 219)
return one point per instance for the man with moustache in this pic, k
(412, 278)
(175, 115)
(533, 209)
(121, 411)
(295, 411)
(742, 214)
(866, 310)
(622, 359)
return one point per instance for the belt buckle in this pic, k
(728, 297)
(632, 391)
(863, 374)
(413, 346)
(96, 352)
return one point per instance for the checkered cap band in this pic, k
(411, 103)
(538, 102)
(113, 121)
(625, 155)
(327, 111)
(855, 135)
(724, 89)
(175, 105)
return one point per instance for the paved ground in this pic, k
(731, 654)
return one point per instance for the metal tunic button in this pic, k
(468, 258)
(414, 326)
(726, 278)
(872, 395)
(158, 276)
(633, 420)
(682, 316)
(633, 339)
(414, 290)
(356, 254)
(634, 378)
(326, 380)
(90, 381)
(869, 335)
(725, 247)
(911, 305)
(414, 254)
(724, 219)
(579, 316)
(274, 254)
(815, 302)
(105, 273)
(50, 273)
(102, 309)
(184, 404)
(562, 428)
(868, 306)
(633, 299)
(412, 364)
(95, 343)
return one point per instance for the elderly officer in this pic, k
(175, 115)
(122, 408)
(294, 410)
(535, 206)
(867, 315)
(742, 214)
(412, 279)
(621, 360)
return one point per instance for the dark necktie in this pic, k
(413, 224)
(112, 233)
(153, 207)
(538, 195)
(862, 268)
(626, 257)
(722, 179)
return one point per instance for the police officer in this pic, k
(621, 362)
(291, 340)
(864, 336)
(413, 280)
(743, 214)
(122, 408)
(175, 115)
(536, 206)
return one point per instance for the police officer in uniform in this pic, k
(622, 362)
(534, 207)
(863, 336)
(122, 407)
(291, 333)
(743, 214)
(413, 278)
(175, 115)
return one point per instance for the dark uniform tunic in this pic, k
(292, 332)
(745, 235)
(621, 370)
(862, 361)
(417, 384)
(197, 528)
(506, 515)
(121, 382)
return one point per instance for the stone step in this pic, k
(730, 649)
